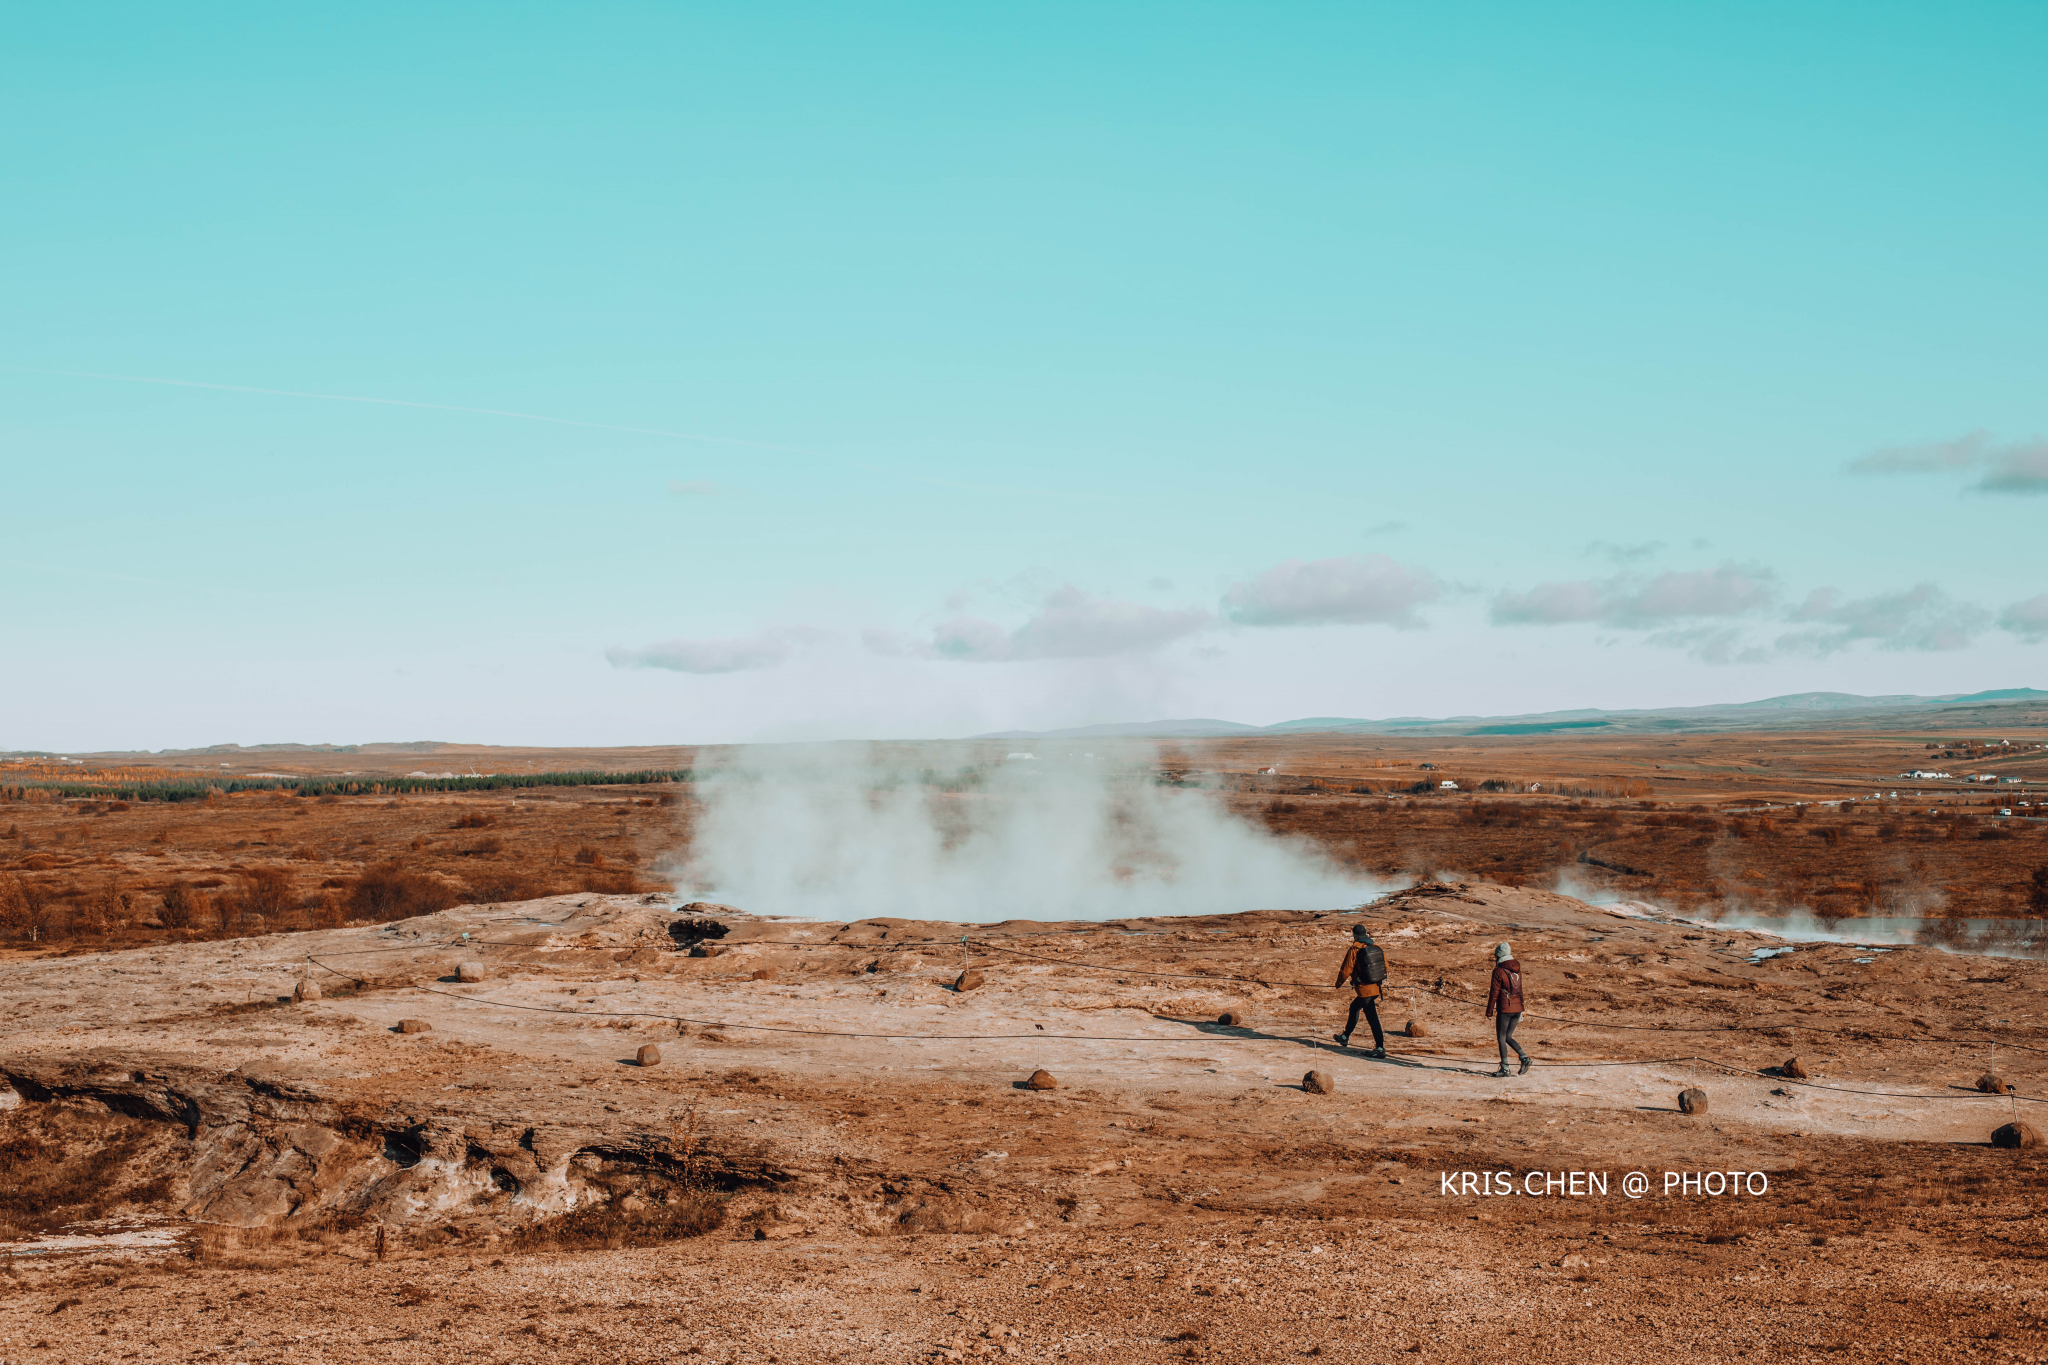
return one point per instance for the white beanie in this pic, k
(1502, 952)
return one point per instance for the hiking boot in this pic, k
(1527, 1062)
(1502, 1072)
(1342, 1039)
(1378, 1053)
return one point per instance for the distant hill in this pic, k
(1798, 710)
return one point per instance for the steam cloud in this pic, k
(842, 832)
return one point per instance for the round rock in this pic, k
(1993, 1085)
(1230, 1019)
(650, 1055)
(2016, 1135)
(414, 1026)
(1692, 1101)
(1793, 1069)
(969, 980)
(764, 974)
(1041, 1079)
(470, 971)
(1319, 1083)
(305, 992)
(1417, 1029)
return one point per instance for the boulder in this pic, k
(1793, 1069)
(1230, 1019)
(1692, 1100)
(763, 974)
(706, 950)
(1417, 1029)
(470, 971)
(1993, 1085)
(2016, 1135)
(1041, 1079)
(649, 1055)
(1319, 1083)
(414, 1026)
(969, 980)
(306, 992)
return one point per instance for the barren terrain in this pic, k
(835, 1155)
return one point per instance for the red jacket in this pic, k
(1504, 996)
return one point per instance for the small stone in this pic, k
(470, 971)
(2016, 1135)
(1793, 1069)
(1575, 1262)
(1041, 1080)
(1692, 1101)
(969, 980)
(1417, 1029)
(649, 1055)
(1319, 1083)
(414, 1026)
(1993, 1085)
(763, 974)
(306, 992)
(1230, 1019)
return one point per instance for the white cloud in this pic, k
(1922, 617)
(1068, 624)
(1641, 604)
(2028, 619)
(1354, 590)
(769, 649)
(2021, 467)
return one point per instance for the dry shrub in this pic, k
(607, 1227)
(587, 856)
(58, 1167)
(389, 892)
(184, 906)
(28, 909)
(508, 886)
(475, 820)
(267, 893)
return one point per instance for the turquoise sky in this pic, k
(930, 369)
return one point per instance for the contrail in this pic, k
(543, 417)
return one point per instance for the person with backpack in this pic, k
(1364, 969)
(1504, 1006)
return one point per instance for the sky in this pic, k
(680, 373)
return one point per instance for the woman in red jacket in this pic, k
(1504, 1006)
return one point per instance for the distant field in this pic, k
(104, 852)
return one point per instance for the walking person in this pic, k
(1364, 969)
(1504, 1006)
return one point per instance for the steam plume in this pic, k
(849, 832)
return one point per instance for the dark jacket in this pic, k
(1504, 996)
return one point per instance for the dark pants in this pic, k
(1504, 1034)
(1369, 1006)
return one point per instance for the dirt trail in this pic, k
(889, 1191)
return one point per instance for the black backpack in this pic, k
(1372, 964)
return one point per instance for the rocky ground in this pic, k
(836, 1156)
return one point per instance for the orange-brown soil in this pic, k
(883, 1189)
(834, 1159)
